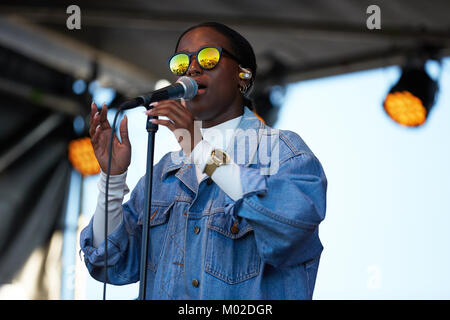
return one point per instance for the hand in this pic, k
(100, 132)
(181, 122)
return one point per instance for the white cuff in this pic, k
(117, 185)
(227, 177)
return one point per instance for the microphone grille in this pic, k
(190, 87)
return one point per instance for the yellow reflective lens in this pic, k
(179, 63)
(208, 58)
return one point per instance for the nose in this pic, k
(194, 68)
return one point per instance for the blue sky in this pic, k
(386, 233)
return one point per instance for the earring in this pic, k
(245, 74)
(244, 88)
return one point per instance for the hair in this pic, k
(241, 48)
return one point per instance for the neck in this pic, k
(223, 118)
(235, 110)
(220, 135)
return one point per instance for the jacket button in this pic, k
(196, 230)
(209, 181)
(234, 228)
(195, 283)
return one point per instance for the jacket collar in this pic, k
(246, 138)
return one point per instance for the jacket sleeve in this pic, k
(285, 209)
(123, 246)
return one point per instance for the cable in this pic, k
(108, 173)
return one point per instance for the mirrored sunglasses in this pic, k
(207, 58)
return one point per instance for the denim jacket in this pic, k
(204, 245)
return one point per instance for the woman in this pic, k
(238, 217)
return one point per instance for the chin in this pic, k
(199, 109)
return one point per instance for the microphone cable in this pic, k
(190, 88)
(108, 173)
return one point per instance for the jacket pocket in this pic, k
(231, 253)
(159, 217)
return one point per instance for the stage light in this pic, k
(78, 125)
(82, 157)
(101, 95)
(79, 86)
(277, 95)
(409, 101)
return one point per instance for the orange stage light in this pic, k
(409, 102)
(81, 155)
(405, 108)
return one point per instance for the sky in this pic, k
(385, 234)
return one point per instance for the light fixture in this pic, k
(101, 95)
(82, 157)
(79, 86)
(409, 101)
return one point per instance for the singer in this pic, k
(238, 216)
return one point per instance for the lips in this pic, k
(202, 87)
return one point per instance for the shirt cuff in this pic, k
(227, 177)
(117, 184)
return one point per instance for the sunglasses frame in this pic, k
(190, 54)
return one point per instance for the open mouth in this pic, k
(201, 89)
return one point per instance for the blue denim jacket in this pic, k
(204, 245)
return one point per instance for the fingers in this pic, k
(123, 128)
(173, 110)
(98, 119)
(92, 120)
(93, 110)
(95, 135)
(104, 124)
(98, 124)
(168, 123)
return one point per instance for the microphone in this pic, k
(184, 87)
